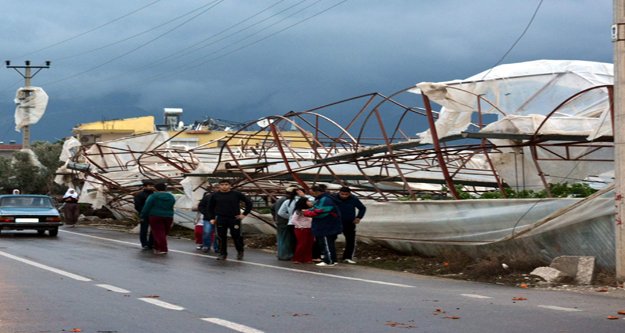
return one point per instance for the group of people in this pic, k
(220, 210)
(308, 225)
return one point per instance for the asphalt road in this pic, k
(93, 280)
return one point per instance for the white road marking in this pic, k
(327, 275)
(474, 296)
(113, 288)
(162, 304)
(47, 268)
(254, 264)
(558, 308)
(232, 326)
(102, 238)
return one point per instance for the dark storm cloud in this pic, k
(357, 47)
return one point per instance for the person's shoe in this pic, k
(205, 249)
(199, 247)
(145, 248)
(324, 264)
(159, 252)
(349, 261)
(220, 257)
(316, 260)
(240, 255)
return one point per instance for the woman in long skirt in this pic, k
(71, 210)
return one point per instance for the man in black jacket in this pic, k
(224, 211)
(139, 201)
(348, 204)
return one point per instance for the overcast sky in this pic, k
(242, 60)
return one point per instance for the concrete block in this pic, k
(549, 274)
(580, 268)
(566, 265)
(585, 270)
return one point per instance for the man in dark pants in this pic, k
(139, 201)
(224, 211)
(348, 204)
(209, 238)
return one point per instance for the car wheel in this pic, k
(41, 232)
(53, 232)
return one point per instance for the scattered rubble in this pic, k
(549, 274)
(579, 270)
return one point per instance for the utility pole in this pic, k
(27, 75)
(618, 38)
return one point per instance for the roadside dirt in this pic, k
(489, 270)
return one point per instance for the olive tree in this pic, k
(29, 174)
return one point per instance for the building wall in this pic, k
(7, 150)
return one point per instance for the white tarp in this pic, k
(30, 105)
(522, 89)
(533, 229)
(70, 148)
(478, 221)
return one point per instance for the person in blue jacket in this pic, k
(326, 224)
(348, 204)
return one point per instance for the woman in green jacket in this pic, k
(159, 211)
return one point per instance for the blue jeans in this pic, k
(208, 235)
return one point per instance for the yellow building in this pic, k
(107, 130)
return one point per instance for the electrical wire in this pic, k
(201, 60)
(185, 67)
(191, 47)
(135, 35)
(214, 3)
(182, 53)
(90, 30)
(529, 24)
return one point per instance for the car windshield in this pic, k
(25, 202)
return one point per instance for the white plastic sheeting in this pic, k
(69, 149)
(532, 229)
(31, 103)
(516, 166)
(448, 221)
(118, 161)
(522, 89)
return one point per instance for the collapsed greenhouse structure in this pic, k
(513, 128)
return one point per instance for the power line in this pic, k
(181, 53)
(161, 60)
(272, 34)
(189, 67)
(214, 4)
(517, 40)
(90, 30)
(135, 35)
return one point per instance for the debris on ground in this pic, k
(511, 272)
